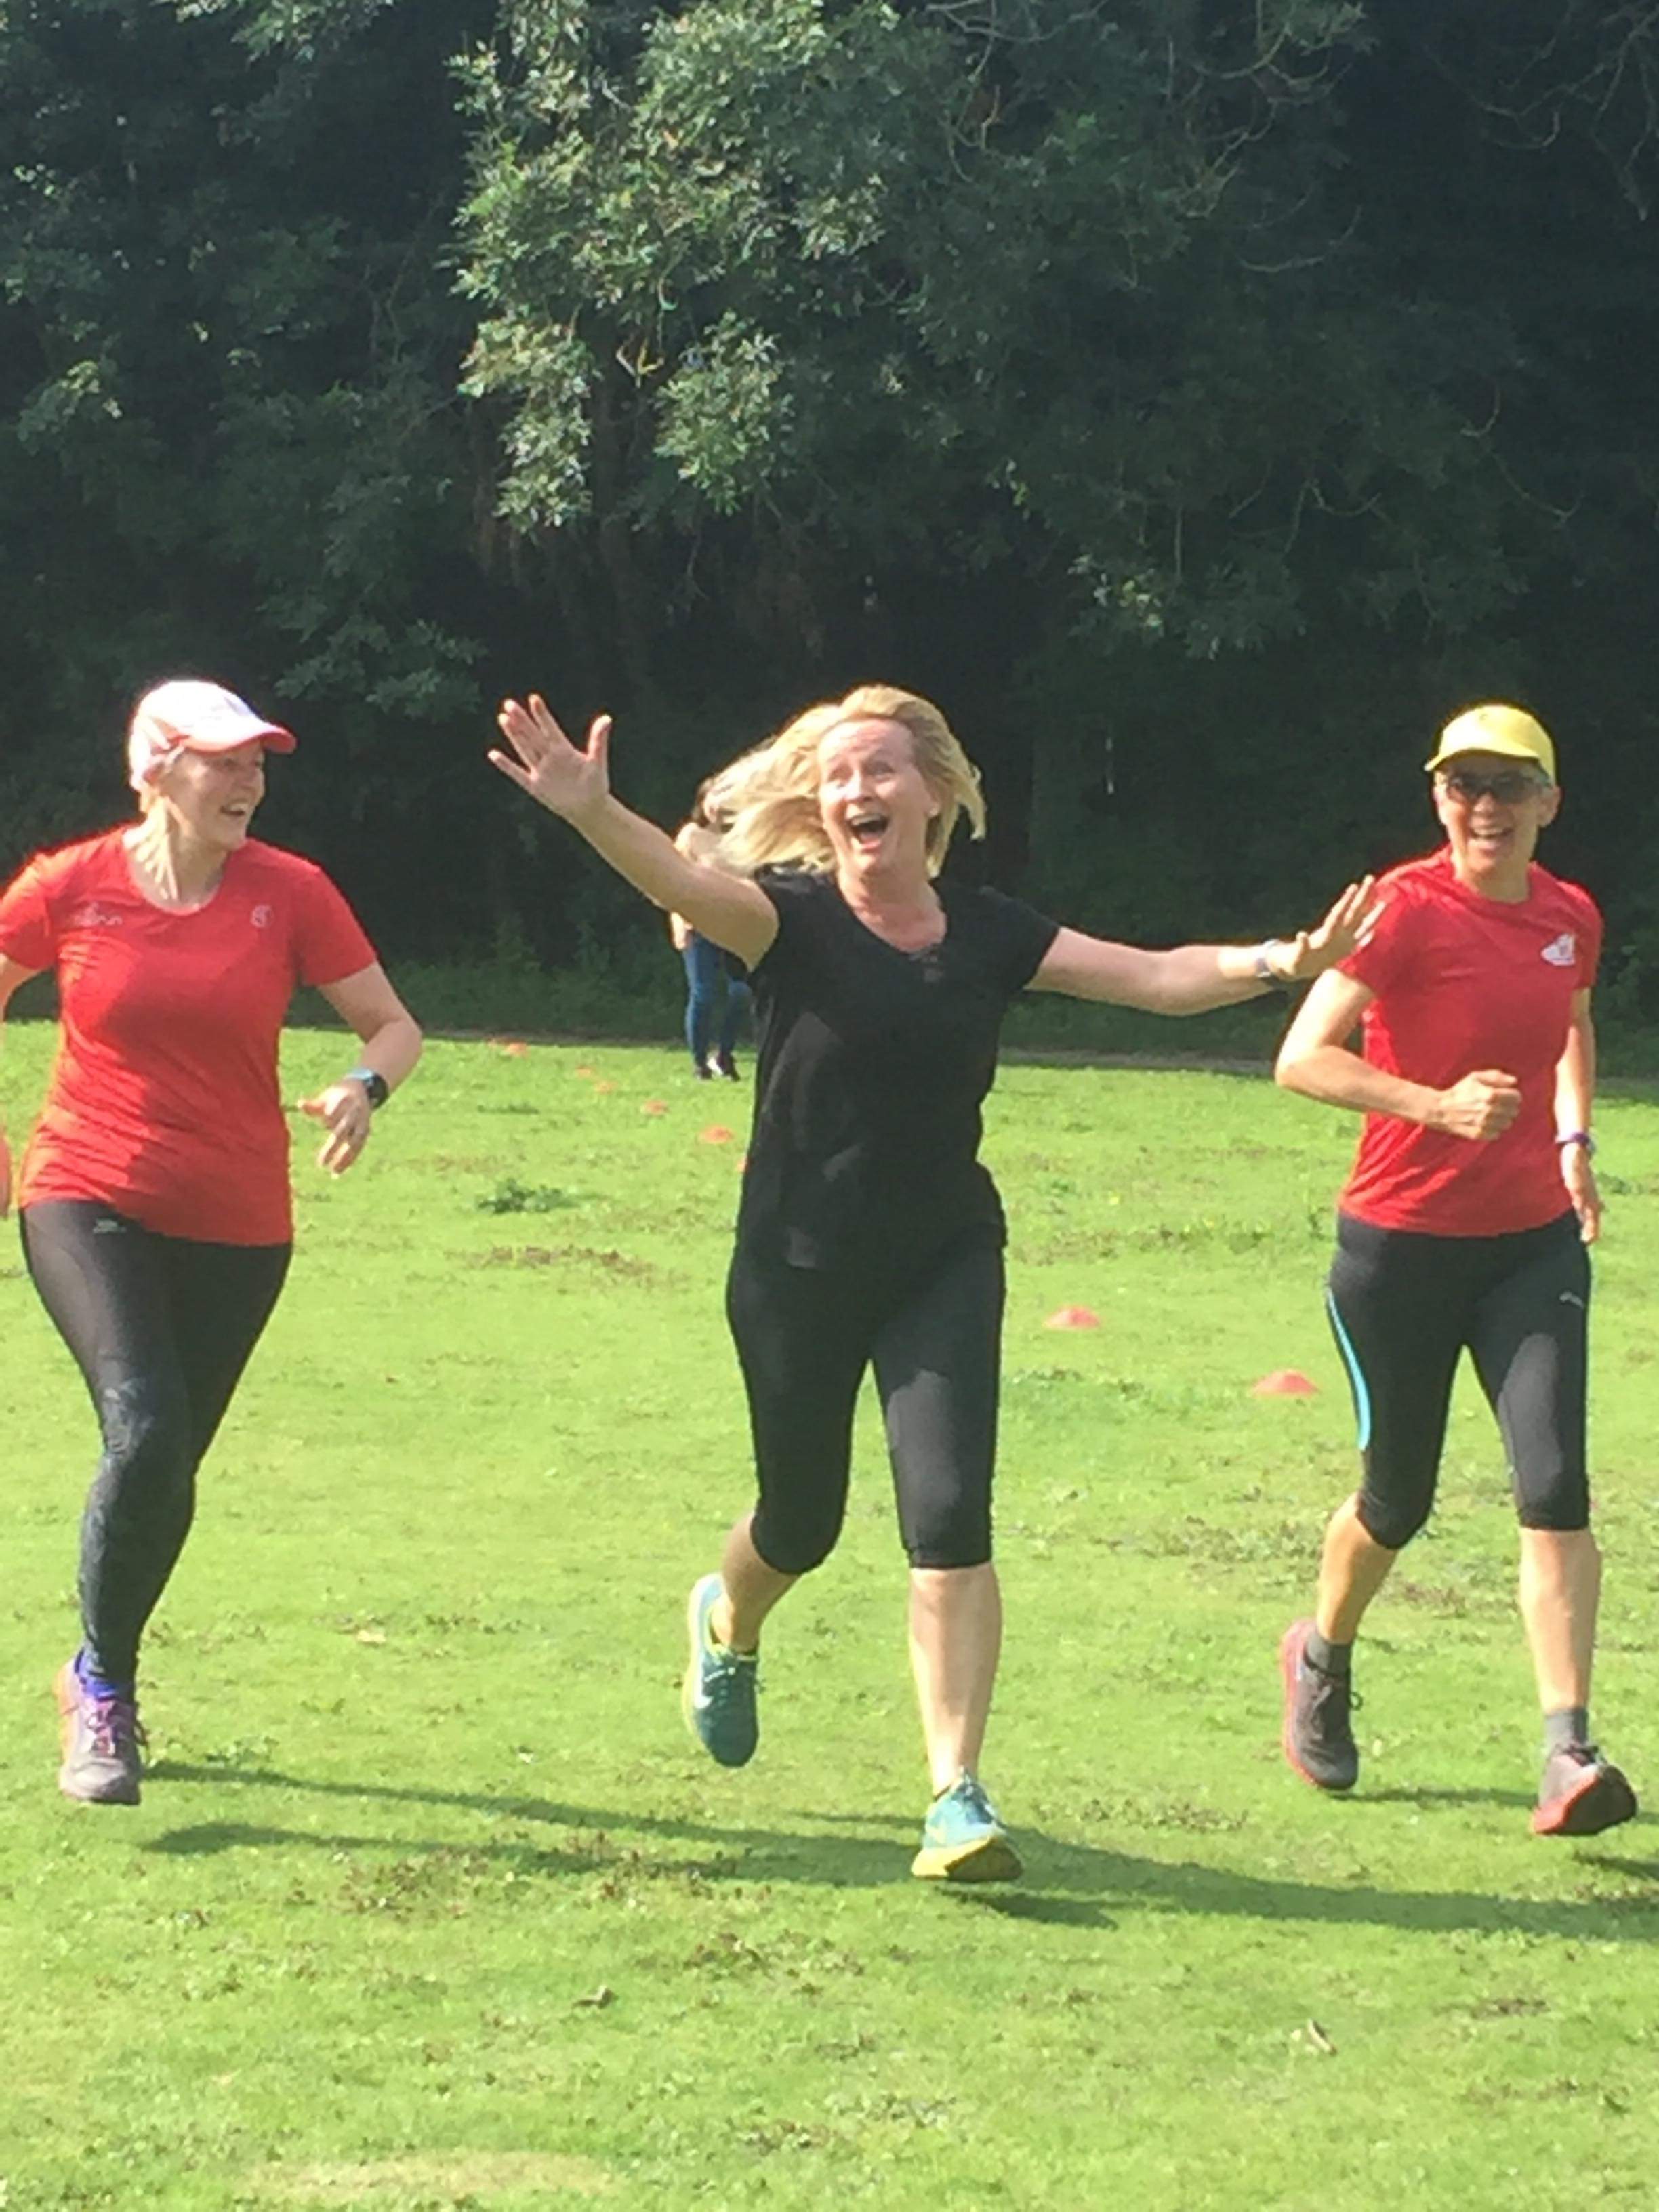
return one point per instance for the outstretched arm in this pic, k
(1315, 1058)
(1194, 978)
(12, 973)
(575, 784)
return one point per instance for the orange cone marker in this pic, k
(1285, 1382)
(1072, 1318)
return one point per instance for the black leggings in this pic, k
(1404, 1305)
(161, 1328)
(805, 1337)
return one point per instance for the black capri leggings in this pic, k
(805, 1336)
(161, 1328)
(1404, 1305)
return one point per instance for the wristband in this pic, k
(374, 1082)
(1265, 970)
(1578, 1137)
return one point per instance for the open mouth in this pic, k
(867, 830)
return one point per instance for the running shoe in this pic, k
(723, 1064)
(102, 1740)
(718, 1696)
(1580, 1794)
(963, 1840)
(1317, 1735)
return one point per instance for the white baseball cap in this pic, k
(189, 716)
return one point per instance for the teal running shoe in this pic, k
(963, 1840)
(718, 1696)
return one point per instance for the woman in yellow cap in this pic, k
(1464, 1224)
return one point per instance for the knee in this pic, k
(794, 1540)
(949, 1540)
(1392, 1522)
(146, 1437)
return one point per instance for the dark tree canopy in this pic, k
(1199, 401)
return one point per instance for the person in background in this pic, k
(1463, 1226)
(717, 996)
(868, 1233)
(154, 1197)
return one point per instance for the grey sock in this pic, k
(1329, 1658)
(1568, 1724)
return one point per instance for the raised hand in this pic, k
(1481, 1105)
(569, 781)
(1311, 952)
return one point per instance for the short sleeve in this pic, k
(331, 941)
(1589, 947)
(1020, 937)
(27, 933)
(1380, 958)
(794, 893)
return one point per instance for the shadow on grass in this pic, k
(1066, 1882)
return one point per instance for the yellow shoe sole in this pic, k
(993, 1858)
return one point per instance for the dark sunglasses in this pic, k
(1509, 786)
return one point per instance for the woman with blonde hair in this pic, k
(868, 1233)
(154, 1198)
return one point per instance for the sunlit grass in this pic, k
(430, 1902)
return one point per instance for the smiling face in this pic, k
(875, 805)
(1492, 808)
(212, 796)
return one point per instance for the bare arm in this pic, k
(1575, 1103)
(1194, 978)
(392, 1045)
(1316, 1060)
(12, 973)
(575, 784)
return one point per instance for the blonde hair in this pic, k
(767, 800)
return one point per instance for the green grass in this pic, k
(430, 1902)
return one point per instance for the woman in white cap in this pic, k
(1464, 1224)
(869, 1235)
(153, 1195)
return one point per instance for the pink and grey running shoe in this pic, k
(102, 1743)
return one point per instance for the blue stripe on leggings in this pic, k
(1362, 1396)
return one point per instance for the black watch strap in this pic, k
(374, 1082)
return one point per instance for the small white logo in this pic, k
(1570, 1298)
(107, 1225)
(1562, 952)
(260, 917)
(94, 916)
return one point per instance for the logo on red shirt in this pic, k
(260, 917)
(94, 916)
(1562, 952)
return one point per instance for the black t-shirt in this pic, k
(872, 1065)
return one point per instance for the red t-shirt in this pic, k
(1463, 982)
(163, 1101)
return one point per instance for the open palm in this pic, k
(569, 780)
(1313, 951)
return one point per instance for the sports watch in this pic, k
(374, 1082)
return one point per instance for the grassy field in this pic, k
(430, 1902)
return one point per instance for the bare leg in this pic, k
(751, 1589)
(956, 1637)
(1560, 1587)
(1352, 1568)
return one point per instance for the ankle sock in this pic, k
(99, 1686)
(1329, 1658)
(1567, 1725)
